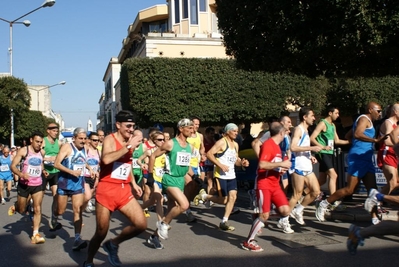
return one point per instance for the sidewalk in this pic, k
(354, 211)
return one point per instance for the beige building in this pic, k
(180, 28)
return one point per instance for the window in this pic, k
(202, 5)
(193, 12)
(177, 11)
(185, 9)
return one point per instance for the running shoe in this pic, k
(198, 197)
(8, 193)
(154, 241)
(252, 245)
(85, 264)
(54, 225)
(112, 251)
(3, 201)
(354, 239)
(11, 210)
(37, 239)
(285, 225)
(190, 217)
(298, 216)
(147, 213)
(163, 229)
(371, 200)
(165, 198)
(89, 206)
(79, 244)
(226, 227)
(320, 212)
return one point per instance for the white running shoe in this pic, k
(285, 225)
(163, 230)
(371, 200)
(298, 216)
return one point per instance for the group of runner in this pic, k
(189, 167)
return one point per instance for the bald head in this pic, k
(372, 105)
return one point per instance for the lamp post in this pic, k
(41, 89)
(47, 3)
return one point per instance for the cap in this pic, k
(125, 116)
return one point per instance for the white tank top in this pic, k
(301, 160)
(229, 158)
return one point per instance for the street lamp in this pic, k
(47, 3)
(41, 89)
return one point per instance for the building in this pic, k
(41, 101)
(180, 28)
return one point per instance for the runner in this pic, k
(224, 154)
(93, 160)
(302, 170)
(114, 190)
(360, 160)
(178, 154)
(51, 146)
(6, 176)
(325, 136)
(71, 161)
(30, 182)
(101, 137)
(268, 190)
(158, 139)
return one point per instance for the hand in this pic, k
(144, 166)
(150, 180)
(286, 164)
(224, 168)
(379, 139)
(316, 148)
(45, 173)
(327, 148)
(313, 159)
(134, 141)
(244, 162)
(137, 189)
(24, 176)
(203, 157)
(76, 173)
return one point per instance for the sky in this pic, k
(71, 41)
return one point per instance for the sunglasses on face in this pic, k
(130, 126)
(378, 110)
(160, 140)
(94, 140)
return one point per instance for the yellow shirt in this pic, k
(195, 142)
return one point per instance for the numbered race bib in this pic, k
(78, 167)
(120, 171)
(135, 164)
(159, 172)
(232, 159)
(183, 159)
(331, 144)
(93, 167)
(34, 171)
(195, 153)
(4, 168)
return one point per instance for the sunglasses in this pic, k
(95, 140)
(130, 126)
(160, 140)
(378, 110)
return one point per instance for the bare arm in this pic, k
(109, 152)
(65, 151)
(362, 124)
(166, 147)
(17, 159)
(219, 146)
(386, 129)
(321, 127)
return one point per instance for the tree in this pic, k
(343, 37)
(14, 95)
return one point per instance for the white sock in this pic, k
(299, 208)
(225, 219)
(35, 232)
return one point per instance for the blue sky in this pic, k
(71, 41)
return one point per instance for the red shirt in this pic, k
(118, 171)
(269, 152)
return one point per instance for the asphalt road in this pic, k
(196, 244)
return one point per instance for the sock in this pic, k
(225, 219)
(256, 226)
(380, 197)
(284, 219)
(375, 220)
(77, 236)
(35, 232)
(299, 208)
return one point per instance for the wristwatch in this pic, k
(129, 146)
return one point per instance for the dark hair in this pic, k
(328, 109)
(194, 118)
(272, 119)
(304, 112)
(275, 128)
(36, 133)
(93, 134)
(209, 129)
(152, 129)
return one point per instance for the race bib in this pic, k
(78, 167)
(4, 168)
(183, 159)
(135, 164)
(159, 172)
(195, 153)
(331, 144)
(231, 159)
(34, 171)
(120, 171)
